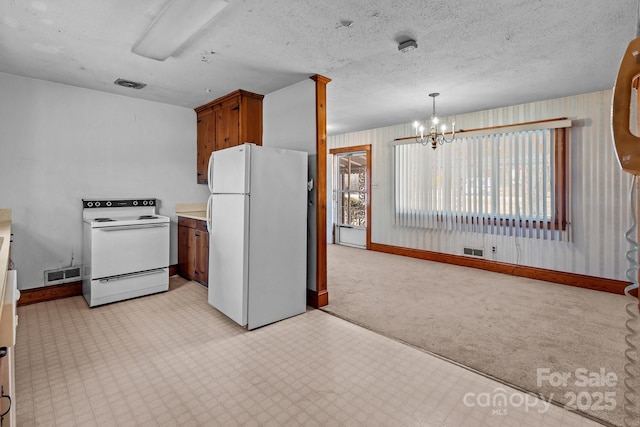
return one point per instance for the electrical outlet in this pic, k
(494, 249)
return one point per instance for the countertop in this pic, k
(5, 239)
(192, 210)
(199, 215)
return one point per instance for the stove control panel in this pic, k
(117, 203)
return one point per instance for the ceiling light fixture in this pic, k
(175, 25)
(434, 136)
(407, 46)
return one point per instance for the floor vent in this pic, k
(62, 275)
(473, 252)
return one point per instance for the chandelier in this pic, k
(434, 136)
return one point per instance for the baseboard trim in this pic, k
(66, 290)
(49, 293)
(317, 299)
(173, 270)
(561, 277)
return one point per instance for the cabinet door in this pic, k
(205, 143)
(251, 120)
(186, 252)
(202, 257)
(228, 124)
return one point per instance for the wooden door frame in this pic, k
(367, 150)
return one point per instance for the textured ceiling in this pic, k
(478, 55)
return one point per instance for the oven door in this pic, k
(128, 249)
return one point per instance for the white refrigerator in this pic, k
(257, 220)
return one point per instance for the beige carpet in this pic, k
(503, 326)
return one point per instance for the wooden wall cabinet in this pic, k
(193, 250)
(205, 142)
(228, 121)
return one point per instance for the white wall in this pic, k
(59, 144)
(289, 121)
(289, 117)
(598, 192)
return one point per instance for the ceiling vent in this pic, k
(129, 84)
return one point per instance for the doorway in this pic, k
(351, 194)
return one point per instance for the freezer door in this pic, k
(228, 255)
(229, 170)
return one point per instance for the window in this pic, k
(352, 189)
(503, 182)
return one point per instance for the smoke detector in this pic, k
(130, 84)
(407, 46)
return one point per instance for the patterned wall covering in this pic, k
(599, 213)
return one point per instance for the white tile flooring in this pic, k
(172, 360)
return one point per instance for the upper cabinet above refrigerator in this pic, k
(228, 121)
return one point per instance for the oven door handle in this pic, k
(126, 276)
(133, 227)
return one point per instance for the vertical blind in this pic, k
(502, 183)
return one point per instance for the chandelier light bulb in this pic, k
(434, 120)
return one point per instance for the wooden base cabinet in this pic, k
(228, 121)
(193, 250)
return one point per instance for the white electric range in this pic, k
(125, 249)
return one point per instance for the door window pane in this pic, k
(353, 189)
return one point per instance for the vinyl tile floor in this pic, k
(170, 359)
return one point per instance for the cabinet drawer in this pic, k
(187, 222)
(196, 224)
(201, 225)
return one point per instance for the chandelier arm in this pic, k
(448, 140)
(453, 133)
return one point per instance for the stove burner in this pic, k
(147, 217)
(103, 219)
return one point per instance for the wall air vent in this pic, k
(130, 84)
(62, 275)
(473, 252)
(55, 276)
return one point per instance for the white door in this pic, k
(228, 255)
(351, 199)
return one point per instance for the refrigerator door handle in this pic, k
(209, 177)
(209, 203)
